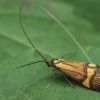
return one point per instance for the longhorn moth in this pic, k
(85, 73)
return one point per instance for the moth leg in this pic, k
(53, 72)
(66, 79)
(69, 82)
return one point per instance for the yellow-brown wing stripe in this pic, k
(90, 72)
(92, 65)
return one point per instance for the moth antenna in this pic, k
(61, 26)
(67, 32)
(25, 32)
(64, 29)
(20, 67)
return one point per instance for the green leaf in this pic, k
(31, 81)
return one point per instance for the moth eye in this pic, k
(55, 61)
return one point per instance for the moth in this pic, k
(85, 73)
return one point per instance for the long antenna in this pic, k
(25, 32)
(62, 27)
(67, 32)
(19, 67)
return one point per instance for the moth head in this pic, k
(53, 62)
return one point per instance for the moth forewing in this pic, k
(74, 69)
(87, 74)
(95, 78)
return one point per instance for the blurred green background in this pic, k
(80, 17)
